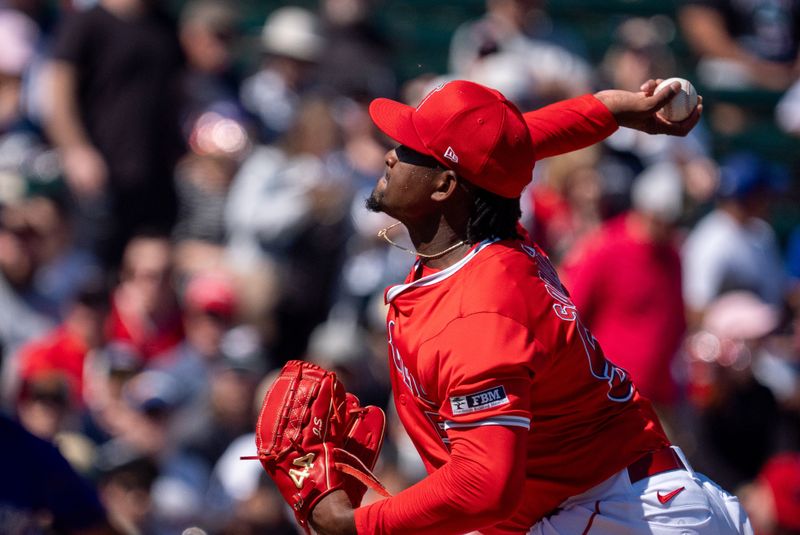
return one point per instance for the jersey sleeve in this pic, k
(484, 369)
(479, 486)
(569, 125)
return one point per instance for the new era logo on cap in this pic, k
(495, 151)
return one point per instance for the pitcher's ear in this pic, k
(445, 185)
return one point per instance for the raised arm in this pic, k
(569, 125)
(582, 121)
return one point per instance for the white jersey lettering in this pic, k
(619, 386)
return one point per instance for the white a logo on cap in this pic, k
(451, 155)
(429, 95)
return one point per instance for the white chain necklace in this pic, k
(382, 234)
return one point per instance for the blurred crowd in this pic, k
(177, 222)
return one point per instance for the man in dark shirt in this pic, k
(115, 79)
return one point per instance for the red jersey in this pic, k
(495, 340)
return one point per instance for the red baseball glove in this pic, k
(314, 438)
(364, 439)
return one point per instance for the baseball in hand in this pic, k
(683, 104)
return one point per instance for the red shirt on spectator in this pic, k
(627, 288)
(151, 338)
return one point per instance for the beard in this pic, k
(373, 203)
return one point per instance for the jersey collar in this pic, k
(439, 276)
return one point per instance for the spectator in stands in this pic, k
(497, 49)
(219, 141)
(625, 279)
(65, 350)
(209, 310)
(114, 90)
(286, 213)
(641, 51)
(145, 311)
(292, 43)
(733, 248)
(64, 267)
(772, 500)
(125, 481)
(145, 419)
(270, 202)
(564, 204)
(27, 163)
(356, 54)
(18, 38)
(29, 248)
(738, 418)
(149, 401)
(369, 260)
(107, 373)
(203, 177)
(743, 44)
(260, 512)
(47, 408)
(341, 345)
(24, 313)
(208, 32)
(244, 499)
(214, 123)
(43, 404)
(363, 146)
(226, 412)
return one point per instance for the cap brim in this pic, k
(395, 120)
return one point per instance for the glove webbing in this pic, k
(359, 471)
(344, 463)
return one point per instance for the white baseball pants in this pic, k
(678, 502)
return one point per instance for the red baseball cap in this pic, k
(211, 292)
(472, 129)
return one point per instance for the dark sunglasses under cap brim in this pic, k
(410, 156)
(395, 120)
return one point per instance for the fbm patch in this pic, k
(479, 401)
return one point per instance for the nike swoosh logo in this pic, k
(664, 498)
